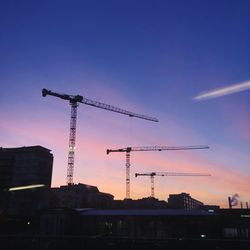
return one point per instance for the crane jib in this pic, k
(157, 148)
(81, 99)
(117, 110)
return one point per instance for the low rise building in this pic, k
(183, 201)
(79, 196)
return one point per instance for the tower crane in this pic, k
(153, 174)
(73, 101)
(127, 150)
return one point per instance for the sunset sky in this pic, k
(150, 57)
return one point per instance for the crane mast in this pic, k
(127, 150)
(74, 100)
(72, 143)
(153, 174)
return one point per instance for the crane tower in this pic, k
(73, 101)
(153, 174)
(147, 148)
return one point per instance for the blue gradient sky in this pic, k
(150, 57)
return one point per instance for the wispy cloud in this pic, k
(223, 91)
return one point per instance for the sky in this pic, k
(150, 57)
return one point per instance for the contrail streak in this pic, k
(223, 91)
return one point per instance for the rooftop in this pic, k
(144, 212)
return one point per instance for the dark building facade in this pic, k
(21, 167)
(183, 201)
(148, 228)
(25, 166)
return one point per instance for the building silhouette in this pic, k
(79, 196)
(183, 201)
(144, 203)
(21, 167)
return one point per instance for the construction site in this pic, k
(77, 215)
